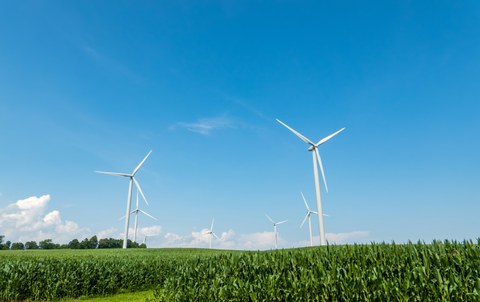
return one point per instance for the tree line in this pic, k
(48, 244)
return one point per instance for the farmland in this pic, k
(441, 271)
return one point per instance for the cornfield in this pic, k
(441, 271)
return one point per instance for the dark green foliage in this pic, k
(47, 244)
(31, 245)
(17, 246)
(6, 245)
(110, 243)
(74, 244)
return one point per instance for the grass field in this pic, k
(441, 271)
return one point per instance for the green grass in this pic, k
(140, 296)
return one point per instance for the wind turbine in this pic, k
(275, 228)
(316, 156)
(145, 238)
(129, 198)
(211, 233)
(308, 215)
(137, 209)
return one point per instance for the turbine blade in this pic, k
(122, 218)
(140, 190)
(304, 200)
(139, 165)
(304, 219)
(321, 168)
(324, 140)
(211, 227)
(281, 222)
(113, 173)
(316, 213)
(145, 213)
(303, 138)
(215, 235)
(326, 215)
(271, 220)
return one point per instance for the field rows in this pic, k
(442, 271)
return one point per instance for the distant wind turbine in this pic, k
(136, 211)
(275, 228)
(308, 215)
(129, 198)
(211, 233)
(316, 156)
(145, 238)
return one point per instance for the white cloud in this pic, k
(260, 241)
(26, 220)
(226, 240)
(52, 218)
(349, 237)
(339, 238)
(108, 233)
(205, 126)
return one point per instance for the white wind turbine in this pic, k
(316, 156)
(211, 233)
(129, 198)
(308, 215)
(275, 228)
(136, 211)
(146, 236)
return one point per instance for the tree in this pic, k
(18, 246)
(47, 244)
(132, 244)
(74, 244)
(6, 245)
(93, 242)
(31, 245)
(84, 244)
(110, 243)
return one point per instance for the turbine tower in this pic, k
(308, 215)
(211, 233)
(136, 211)
(275, 228)
(145, 238)
(129, 198)
(316, 157)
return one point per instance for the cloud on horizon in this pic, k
(28, 219)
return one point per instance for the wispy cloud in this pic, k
(206, 126)
(110, 63)
(250, 108)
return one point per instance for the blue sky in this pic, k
(88, 86)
